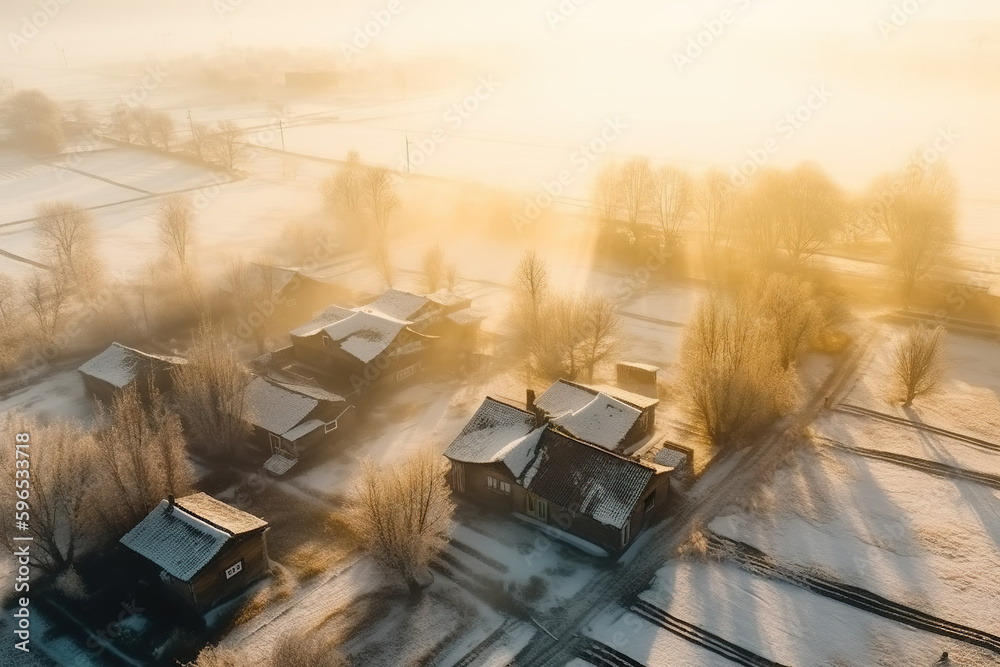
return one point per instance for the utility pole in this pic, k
(62, 53)
(281, 129)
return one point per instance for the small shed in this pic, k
(205, 550)
(119, 367)
(632, 373)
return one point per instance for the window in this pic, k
(458, 476)
(626, 533)
(327, 342)
(648, 503)
(643, 421)
(537, 507)
(275, 441)
(405, 373)
(233, 570)
(498, 485)
(330, 426)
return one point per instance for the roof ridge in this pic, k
(505, 403)
(597, 448)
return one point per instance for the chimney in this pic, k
(170, 502)
(529, 401)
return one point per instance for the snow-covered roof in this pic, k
(328, 316)
(491, 430)
(994, 290)
(303, 429)
(446, 298)
(604, 421)
(642, 367)
(565, 396)
(466, 316)
(396, 304)
(119, 365)
(670, 458)
(365, 335)
(628, 397)
(318, 393)
(181, 541)
(219, 514)
(578, 476)
(275, 408)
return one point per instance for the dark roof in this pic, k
(581, 477)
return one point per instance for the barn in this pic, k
(514, 460)
(203, 549)
(119, 367)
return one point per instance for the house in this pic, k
(119, 367)
(514, 460)
(606, 416)
(204, 550)
(294, 294)
(288, 419)
(629, 372)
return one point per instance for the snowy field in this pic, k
(928, 542)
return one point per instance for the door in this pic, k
(458, 477)
(537, 508)
(275, 442)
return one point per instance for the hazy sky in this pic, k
(92, 28)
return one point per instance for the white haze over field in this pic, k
(898, 75)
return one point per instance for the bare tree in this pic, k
(33, 120)
(174, 224)
(342, 190)
(673, 201)
(531, 278)
(66, 237)
(46, 297)
(402, 514)
(918, 361)
(210, 392)
(916, 212)
(225, 144)
(162, 128)
(787, 303)
(733, 382)
(759, 216)
(451, 277)
(142, 456)
(299, 648)
(142, 121)
(123, 122)
(60, 456)
(607, 195)
(433, 269)
(601, 328)
(715, 198)
(378, 197)
(635, 182)
(8, 292)
(202, 140)
(815, 210)
(382, 260)
(253, 286)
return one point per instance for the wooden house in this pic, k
(288, 419)
(606, 416)
(513, 460)
(119, 367)
(203, 550)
